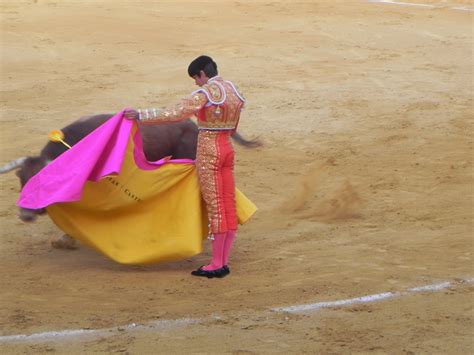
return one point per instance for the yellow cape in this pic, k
(142, 216)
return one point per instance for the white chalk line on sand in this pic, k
(458, 8)
(367, 299)
(105, 332)
(168, 324)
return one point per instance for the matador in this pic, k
(217, 105)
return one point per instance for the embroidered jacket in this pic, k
(216, 105)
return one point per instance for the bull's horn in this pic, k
(12, 165)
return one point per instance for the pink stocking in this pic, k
(217, 252)
(229, 240)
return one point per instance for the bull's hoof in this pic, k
(65, 242)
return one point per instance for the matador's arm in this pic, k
(186, 108)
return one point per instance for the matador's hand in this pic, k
(131, 115)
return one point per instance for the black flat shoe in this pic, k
(218, 273)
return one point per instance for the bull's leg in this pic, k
(64, 242)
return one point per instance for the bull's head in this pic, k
(26, 168)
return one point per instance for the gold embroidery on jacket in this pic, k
(219, 99)
(225, 115)
(186, 108)
(215, 91)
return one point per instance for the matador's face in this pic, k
(200, 79)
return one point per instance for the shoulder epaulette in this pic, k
(214, 91)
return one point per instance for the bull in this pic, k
(178, 140)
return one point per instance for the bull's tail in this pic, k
(254, 143)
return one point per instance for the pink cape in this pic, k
(99, 154)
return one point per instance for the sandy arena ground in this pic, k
(364, 184)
